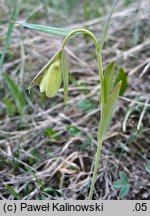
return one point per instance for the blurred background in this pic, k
(47, 148)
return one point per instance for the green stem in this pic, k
(97, 158)
(99, 59)
(102, 102)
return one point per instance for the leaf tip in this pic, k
(120, 83)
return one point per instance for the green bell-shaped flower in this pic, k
(50, 77)
(52, 74)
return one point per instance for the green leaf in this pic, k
(9, 32)
(108, 112)
(54, 192)
(123, 184)
(51, 134)
(124, 190)
(47, 29)
(84, 145)
(123, 177)
(73, 131)
(108, 79)
(12, 192)
(10, 107)
(16, 93)
(85, 105)
(121, 76)
(39, 76)
(39, 181)
(106, 26)
(118, 184)
(65, 73)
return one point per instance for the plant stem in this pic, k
(102, 102)
(99, 59)
(97, 158)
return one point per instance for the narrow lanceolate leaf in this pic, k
(65, 73)
(9, 105)
(106, 26)
(16, 93)
(39, 76)
(47, 29)
(12, 192)
(121, 76)
(9, 32)
(108, 112)
(108, 80)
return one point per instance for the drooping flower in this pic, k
(51, 80)
(50, 77)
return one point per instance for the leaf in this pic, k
(85, 105)
(108, 80)
(47, 29)
(124, 190)
(121, 76)
(108, 112)
(16, 93)
(65, 74)
(39, 181)
(9, 32)
(123, 184)
(123, 177)
(54, 192)
(106, 26)
(10, 107)
(51, 134)
(118, 184)
(73, 131)
(84, 145)
(39, 76)
(12, 192)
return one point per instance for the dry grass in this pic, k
(64, 163)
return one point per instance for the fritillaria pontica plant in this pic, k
(56, 71)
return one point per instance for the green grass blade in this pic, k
(39, 182)
(10, 107)
(12, 192)
(16, 93)
(108, 112)
(47, 29)
(108, 80)
(106, 26)
(8, 34)
(65, 73)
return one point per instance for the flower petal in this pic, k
(53, 79)
(43, 83)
